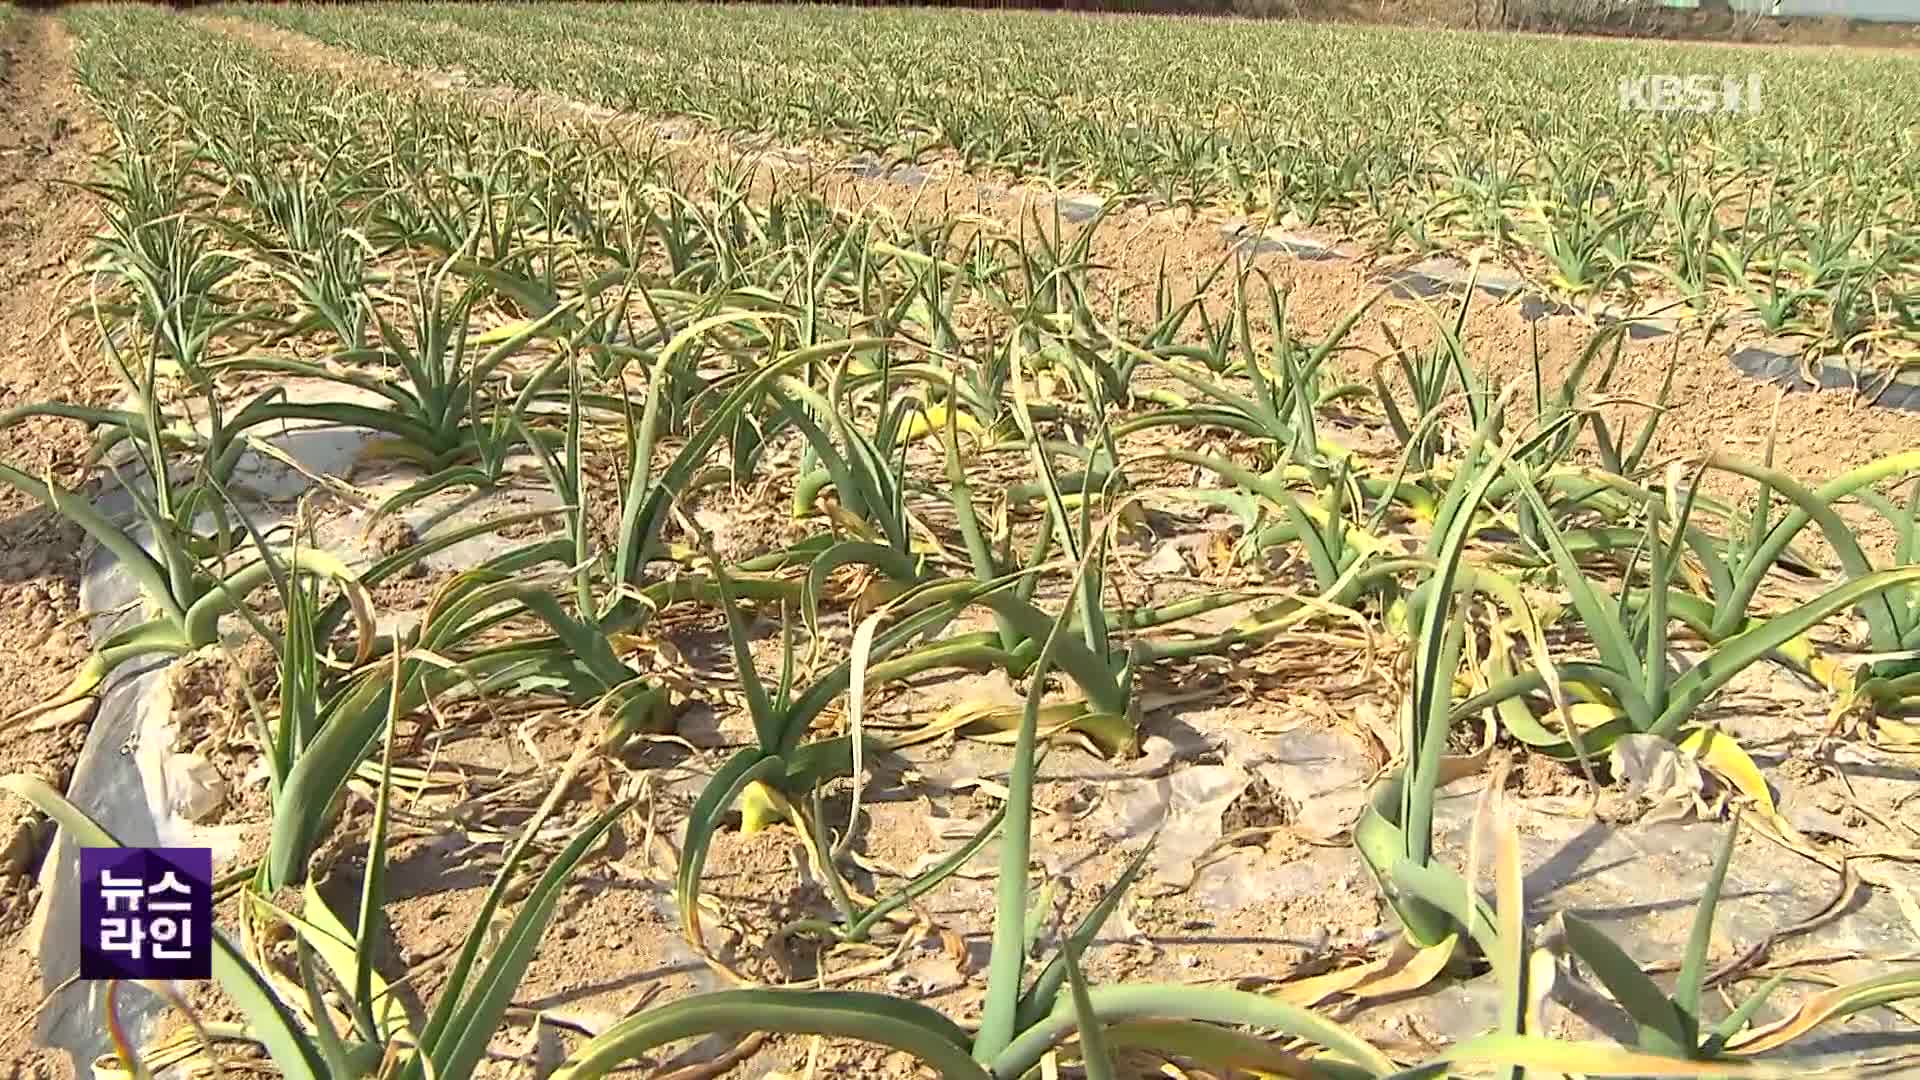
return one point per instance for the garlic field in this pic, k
(694, 540)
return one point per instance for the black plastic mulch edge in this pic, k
(1299, 249)
(1074, 208)
(1079, 208)
(1438, 278)
(1784, 369)
(1430, 279)
(1643, 329)
(910, 175)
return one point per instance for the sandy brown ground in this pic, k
(1712, 407)
(46, 141)
(615, 943)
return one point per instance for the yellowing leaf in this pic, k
(390, 449)
(878, 593)
(1315, 989)
(1211, 1045)
(334, 944)
(1718, 752)
(503, 332)
(1588, 693)
(934, 421)
(1832, 1004)
(988, 722)
(1587, 715)
(1534, 1052)
(1409, 973)
(761, 808)
(1898, 734)
(854, 525)
(1799, 650)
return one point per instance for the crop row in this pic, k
(1797, 207)
(498, 298)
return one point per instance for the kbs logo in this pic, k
(1691, 93)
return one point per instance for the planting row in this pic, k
(496, 299)
(1795, 205)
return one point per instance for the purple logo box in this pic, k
(146, 913)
